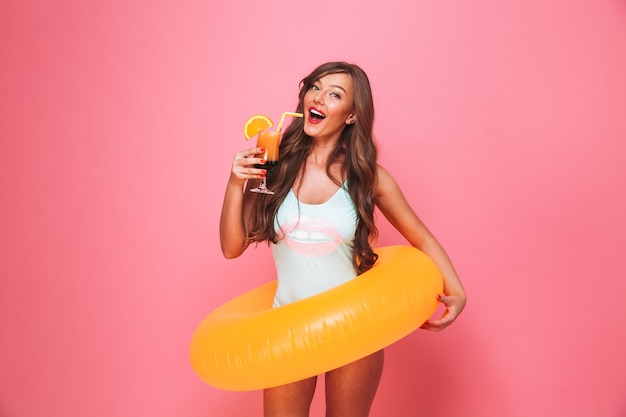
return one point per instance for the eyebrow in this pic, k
(339, 87)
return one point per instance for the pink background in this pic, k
(503, 121)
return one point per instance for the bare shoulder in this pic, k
(395, 207)
(386, 185)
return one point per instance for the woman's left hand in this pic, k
(454, 305)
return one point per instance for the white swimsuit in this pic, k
(314, 251)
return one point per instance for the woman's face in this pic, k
(328, 106)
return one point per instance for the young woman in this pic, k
(320, 222)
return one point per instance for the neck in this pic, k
(321, 150)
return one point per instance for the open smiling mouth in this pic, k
(316, 115)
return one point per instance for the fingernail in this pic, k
(264, 171)
(263, 161)
(262, 149)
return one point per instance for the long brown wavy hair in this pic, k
(355, 150)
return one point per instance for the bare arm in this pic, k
(236, 207)
(397, 210)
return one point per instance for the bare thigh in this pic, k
(350, 390)
(290, 400)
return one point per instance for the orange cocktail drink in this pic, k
(269, 139)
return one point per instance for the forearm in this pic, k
(232, 225)
(451, 281)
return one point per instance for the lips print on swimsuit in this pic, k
(312, 237)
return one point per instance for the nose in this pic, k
(318, 97)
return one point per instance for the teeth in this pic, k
(315, 113)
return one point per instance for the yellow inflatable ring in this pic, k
(246, 344)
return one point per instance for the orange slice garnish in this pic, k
(255, 124)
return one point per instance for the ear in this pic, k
(351, 119)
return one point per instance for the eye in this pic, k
(335, 95)
(314, 87)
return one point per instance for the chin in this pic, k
(308, 131)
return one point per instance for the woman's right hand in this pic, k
(243, 166)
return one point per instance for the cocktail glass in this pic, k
(269, 139)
